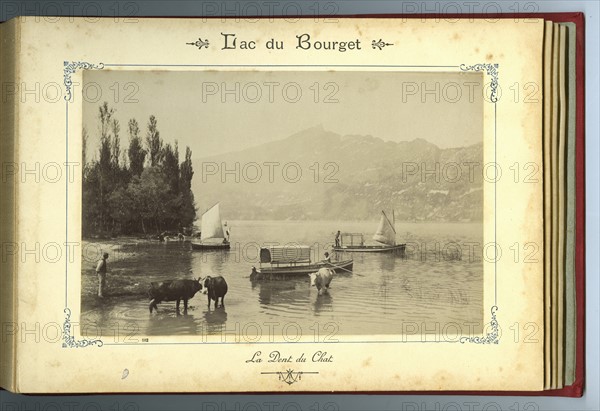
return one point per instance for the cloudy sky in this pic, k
(215, 112)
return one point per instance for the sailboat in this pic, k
(212, 236)
(385, 236)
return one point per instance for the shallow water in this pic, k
(385, 293)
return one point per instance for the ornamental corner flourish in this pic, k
(492, 71)
(492, 337)
(69, 340)
(70, 67)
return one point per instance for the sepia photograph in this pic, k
(337, 203)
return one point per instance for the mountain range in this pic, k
(317, 174)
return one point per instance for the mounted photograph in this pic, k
(283, 204)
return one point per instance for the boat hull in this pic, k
(208, 246)
(371, 248)
(299, 270)
(169, 239)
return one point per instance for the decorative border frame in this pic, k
(69, 68)
(290, 376)
(491, 70)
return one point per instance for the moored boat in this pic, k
(283, 261)
(177, 238)
(385, 236)
(213, 236)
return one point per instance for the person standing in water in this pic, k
(101, 271)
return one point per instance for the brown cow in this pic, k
(173, 290)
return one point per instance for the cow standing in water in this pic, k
(173, 290)
(214, 288)
(321, 279)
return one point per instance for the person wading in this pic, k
(101, 271)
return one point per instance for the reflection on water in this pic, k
(166, 323)
(430, 285)
(215, 320)
(323, 303)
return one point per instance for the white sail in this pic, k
(386, 232)
(211, 224)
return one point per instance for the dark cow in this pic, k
(214, 288)
(173, 290)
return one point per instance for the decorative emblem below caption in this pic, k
(289, 376)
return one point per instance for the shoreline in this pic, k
(118, 248)
(122, 279)
(125, 278)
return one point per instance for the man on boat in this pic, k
(101, 271)
(226, 231)
(337, 238)
(327, 257)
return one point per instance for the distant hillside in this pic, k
(357, 177)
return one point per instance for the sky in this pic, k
(216, 112)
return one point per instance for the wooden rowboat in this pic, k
(399, 248)
(208, 245)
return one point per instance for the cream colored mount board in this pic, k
(399, 321)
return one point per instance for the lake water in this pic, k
(431, 286)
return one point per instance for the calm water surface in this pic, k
(382, 294)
